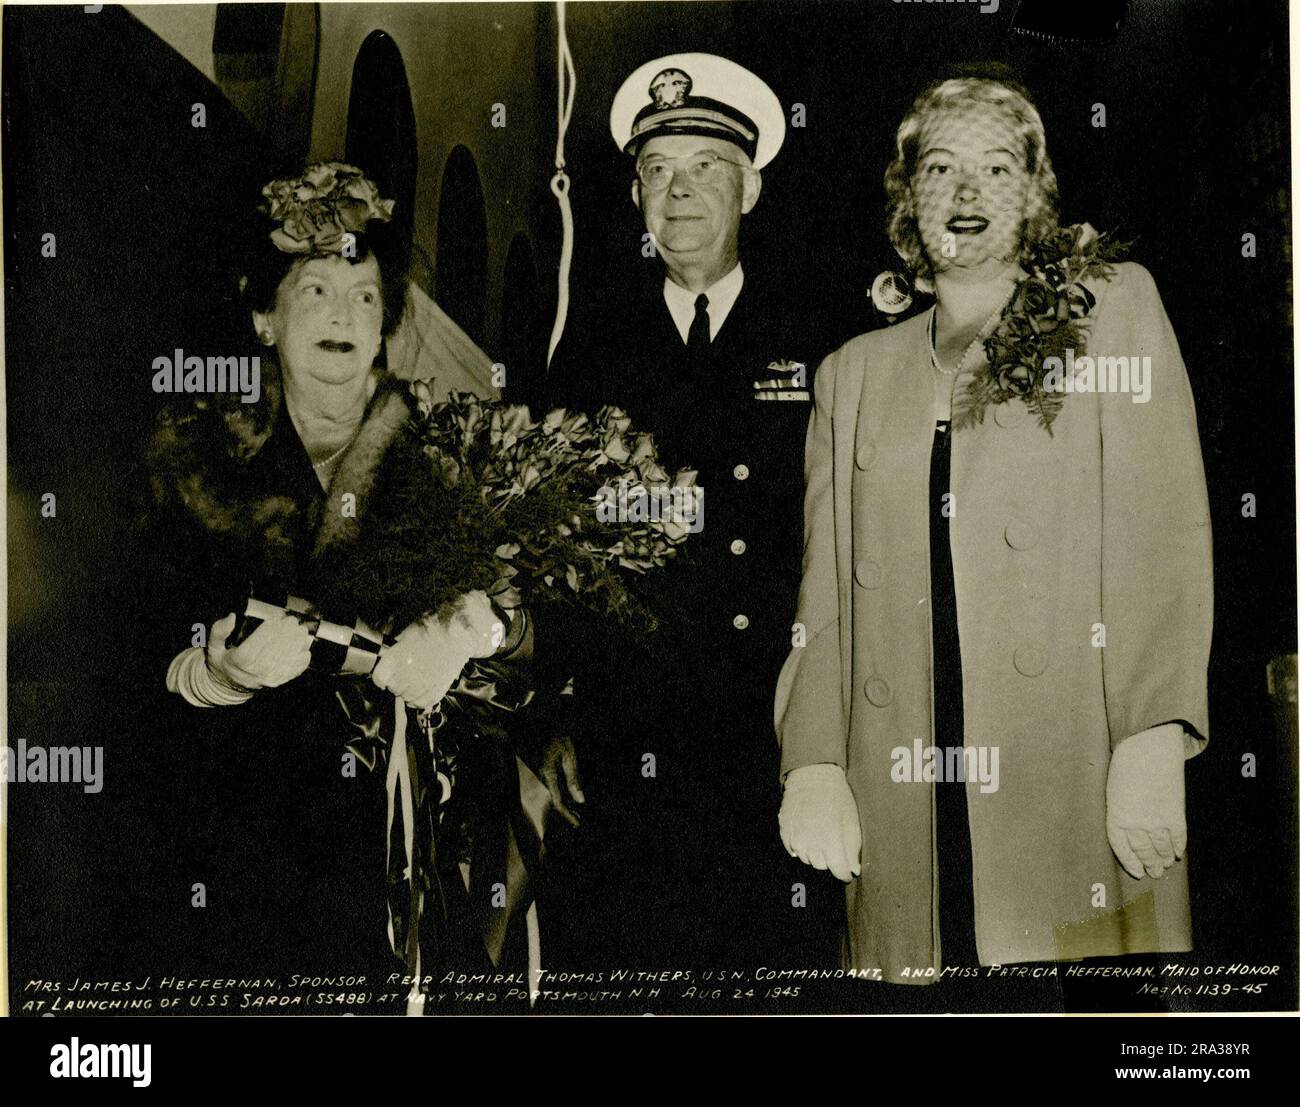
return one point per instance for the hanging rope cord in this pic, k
(566, 83)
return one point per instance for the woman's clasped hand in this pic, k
(421, 666)
(276, 652)
(429, 655)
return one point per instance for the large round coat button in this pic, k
(740, 622)
(868, 573)
(740, 472)
(866, 457)
(1020, 535)
(738, 546)
(878, 692)
(1011, 414)
(1030, 660)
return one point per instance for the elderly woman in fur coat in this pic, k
(298, 867)
(1006, 599)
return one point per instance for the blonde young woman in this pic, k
(1007, 579)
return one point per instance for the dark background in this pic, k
(1194, 154)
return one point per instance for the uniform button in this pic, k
(738, 546)
(1020, 535)
(868, 573)
(866, 455)
(740, 472)
(1030, 661)
(1011, 414)
(878, 692)
(740, 622)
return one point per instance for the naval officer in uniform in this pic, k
(715, 359)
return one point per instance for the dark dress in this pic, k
(278, 806)
(288, 846)
(952, 828)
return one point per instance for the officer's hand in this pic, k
(559, 772)
(819, 820)
(1146, 816)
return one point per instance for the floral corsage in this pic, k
(1046, 316)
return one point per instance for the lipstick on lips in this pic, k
(335, 347)
(967, 224)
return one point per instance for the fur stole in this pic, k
(216, 464)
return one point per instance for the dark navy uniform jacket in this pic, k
(702, 831)
(743, 567)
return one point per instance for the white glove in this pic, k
(819, 820)
(477, 625)
(1146, 813)
(429, 655)
(275, 653)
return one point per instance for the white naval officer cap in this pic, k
(698, 94)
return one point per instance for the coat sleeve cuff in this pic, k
(1194, 739)
(810, 722)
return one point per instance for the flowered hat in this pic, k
(316, 210)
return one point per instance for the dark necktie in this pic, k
(697, 339)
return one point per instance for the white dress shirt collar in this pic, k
(722, 297)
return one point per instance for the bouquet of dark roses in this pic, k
(477, 495)
(481, 496)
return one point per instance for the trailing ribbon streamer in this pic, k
(445, 860)
(399, 786)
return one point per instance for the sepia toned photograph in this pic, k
(738, 507)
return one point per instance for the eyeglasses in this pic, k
(700, 170)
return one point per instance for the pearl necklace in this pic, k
(337, 453)
(325, 462)
(984, 332)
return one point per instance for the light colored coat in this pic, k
(1104, 524)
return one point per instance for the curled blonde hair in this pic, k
(1044, 197)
